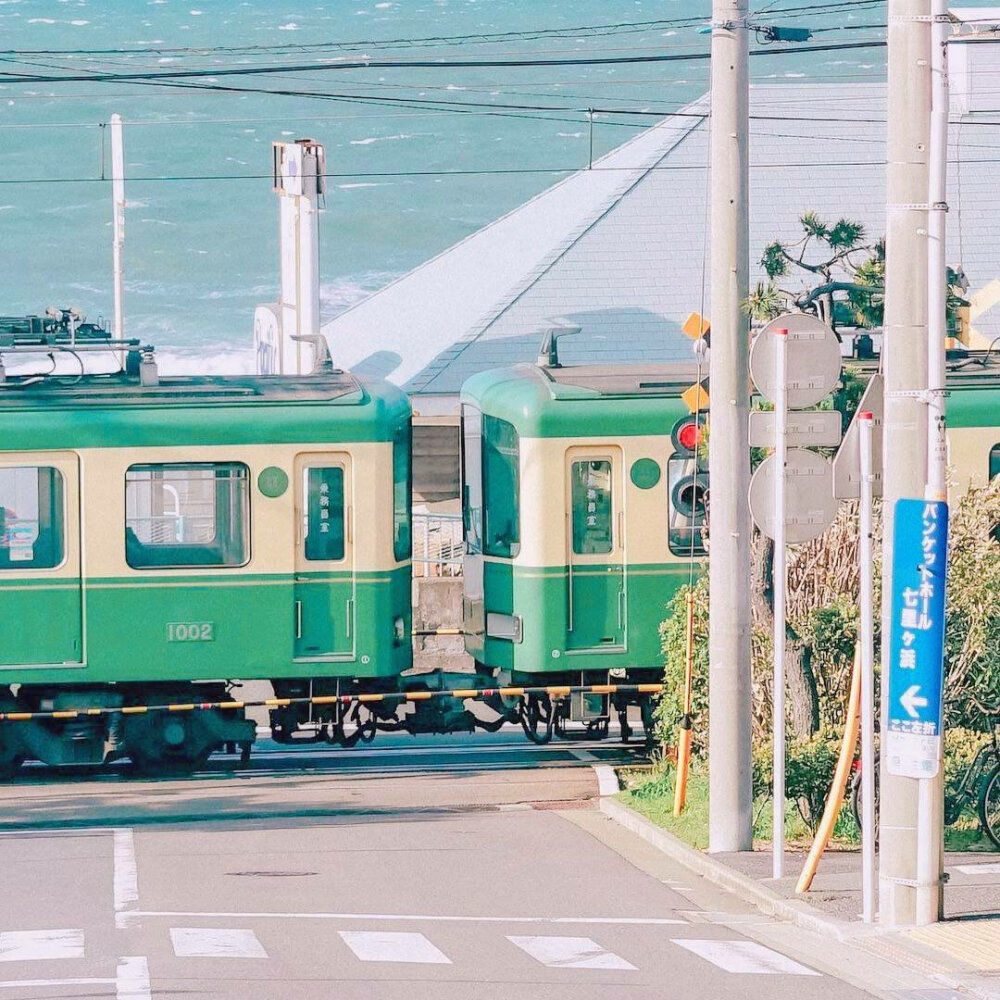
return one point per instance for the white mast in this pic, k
(118, 223)
(285, 332)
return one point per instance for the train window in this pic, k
(31, 518)
(501, 524)
(995, 461)
(593, 517)
(402, 484)
(324, 514)
(472, 479)
(187, 514)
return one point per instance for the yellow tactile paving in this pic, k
(976, 942)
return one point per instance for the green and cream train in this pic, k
(585, 502)
(162, 538)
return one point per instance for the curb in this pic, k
(750, 891)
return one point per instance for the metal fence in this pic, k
(438, 545)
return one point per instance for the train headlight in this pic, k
(400, 627)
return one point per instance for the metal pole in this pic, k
(118, 227)
(867, 638)
(730, 775)
(905, 364)
(780, 575)
(930, 802)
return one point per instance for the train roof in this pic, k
(116, 410)
(631, 399)
(543, 401)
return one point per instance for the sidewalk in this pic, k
(962, 953)
(963, 950)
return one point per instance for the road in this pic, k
(434, 871)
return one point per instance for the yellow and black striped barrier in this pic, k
(553, 691)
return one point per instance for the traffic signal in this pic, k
(687, 434)
(687, 486)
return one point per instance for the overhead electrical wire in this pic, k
(620, 27)
(323, 67)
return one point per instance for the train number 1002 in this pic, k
(190, 631)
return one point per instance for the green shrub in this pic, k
(809, 768)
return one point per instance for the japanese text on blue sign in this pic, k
(916, 639)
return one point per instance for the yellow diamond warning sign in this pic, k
(696, 326)
(695, 397)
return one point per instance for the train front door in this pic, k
(595, 544)
(40, 588)
(324, 557)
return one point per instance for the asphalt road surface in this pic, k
(420, 873)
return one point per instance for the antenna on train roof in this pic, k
(548, 353)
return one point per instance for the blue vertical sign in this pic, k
(916, 640)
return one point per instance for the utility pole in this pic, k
(730, 775)
(118, 228)
(905, 886)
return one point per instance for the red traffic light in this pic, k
(687, 434)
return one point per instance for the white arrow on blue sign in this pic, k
(916, 640)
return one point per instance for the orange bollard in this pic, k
(842, 773)
(684, 735)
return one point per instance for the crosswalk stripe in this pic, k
(569, 952)
(27, 946)
(746, 957)
(215, 942)
(393, 946)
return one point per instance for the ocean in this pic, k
(419, 157)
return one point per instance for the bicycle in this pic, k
(981, 778)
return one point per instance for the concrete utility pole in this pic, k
(903, 893)
(730, 775)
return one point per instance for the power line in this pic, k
(313, 67)
(620, 27)
(468, 172)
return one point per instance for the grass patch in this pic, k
(651, 793)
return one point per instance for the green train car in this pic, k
(584, 504)
(159, 541)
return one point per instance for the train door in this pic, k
(40, 587)
(324, 557)
(596, 571)
(474, 584)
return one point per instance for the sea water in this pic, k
(406, 181)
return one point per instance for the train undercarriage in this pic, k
(172, 729)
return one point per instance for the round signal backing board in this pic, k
(810, 506)
(813, 360)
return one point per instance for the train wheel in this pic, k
(537, 718)
(597, 729)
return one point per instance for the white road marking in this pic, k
(133, 979)
(570, 953)
(607, 780)
(126, 875)
(215, 942)
(745, 957)
(18, 984)
(28, 946)
(393, 946)
(990, 868)
(390, 917)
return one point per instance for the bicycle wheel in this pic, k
(857, 801)
(989, 805)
